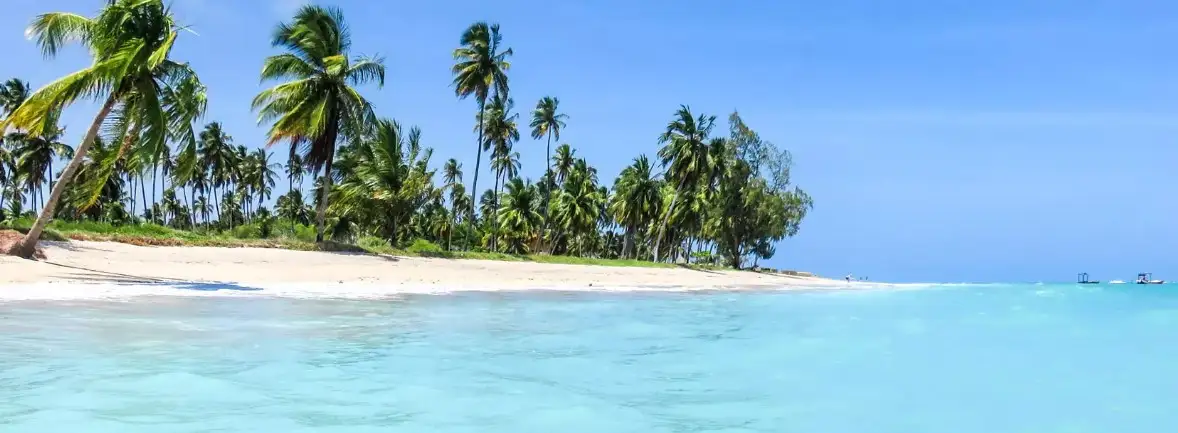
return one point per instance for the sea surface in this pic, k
(937, 359)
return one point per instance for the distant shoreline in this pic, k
(293, 273)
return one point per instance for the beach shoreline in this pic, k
(86, 266)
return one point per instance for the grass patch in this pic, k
(299, 238)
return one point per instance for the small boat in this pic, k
(1117, 282)
(1147, 278)
(1083, 279)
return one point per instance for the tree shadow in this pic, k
(97, 276)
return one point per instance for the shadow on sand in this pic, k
(98, 276)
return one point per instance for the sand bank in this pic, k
(284, 271)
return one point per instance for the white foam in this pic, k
(324, 290)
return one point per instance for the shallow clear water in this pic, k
(949, 359)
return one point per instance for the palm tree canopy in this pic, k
(480, 62)
(318, 103)
(452, 172)
(546, 119)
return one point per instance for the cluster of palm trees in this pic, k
(717, 198)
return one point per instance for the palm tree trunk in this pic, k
(477, 163)
(547, 179)
(50, 175)
(666, 219)
(154, 175)
(321, 212)
(628, 243)
(143, 193)
(28, 245)
(495, 216)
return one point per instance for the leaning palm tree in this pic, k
(547, 121)
(264, 174)
(130, 42)
(481, 66)
(318, 106)
(685, 157)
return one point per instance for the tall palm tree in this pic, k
(685, 157)
(636, 200)
(452, 175)
(130, 42)
(217, 159)
(294, 170)
(318, 105)
(563, 162)
(264, 174)
(547, 121)
(501, 134)
(480, 66)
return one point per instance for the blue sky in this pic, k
(949, 140)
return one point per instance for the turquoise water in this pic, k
(945, 359)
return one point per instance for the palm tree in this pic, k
(518, 217)
(319, 105)
(685, 157)
(501, 134)
(216, 158)
(187, 102)
(13, 93)
(130, 41)
(547, 121)
(294, 170)
(563, 162)
(265, 174)
(576, 209)
(480, 67)
(390, 180)
(636, 200)
(452, 175)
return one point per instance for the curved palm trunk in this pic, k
(477, 163)
(667, 218)
(28, 245)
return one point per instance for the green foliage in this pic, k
(424, 247)
(713, 199)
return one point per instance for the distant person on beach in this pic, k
(848, 277)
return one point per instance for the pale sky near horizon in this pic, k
(942, 140)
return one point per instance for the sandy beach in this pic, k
(113, 263)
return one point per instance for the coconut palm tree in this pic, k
(636, 200)
(216, 155)
(518, 218)
(685, 158)
(452, 175)
(130, 42)
(35, 155)
(563, 162)
(547, 121)
(263, 175)
(294, 170)
(480, 66)
(319, 105)
(13, 93)
(577, 207)
(187, 102)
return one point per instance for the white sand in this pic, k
(122, 268)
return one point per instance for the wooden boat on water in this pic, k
(1147, 278)
(1083, 279)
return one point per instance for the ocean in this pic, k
(936, 359)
